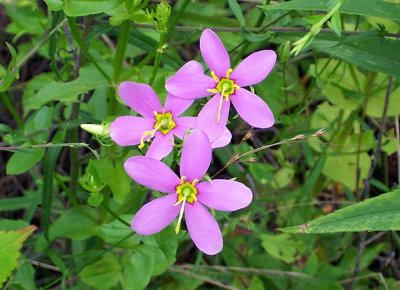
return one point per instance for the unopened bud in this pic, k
(299, 137)
(319, 133)
(99, 130)
(248, 135)
(252, 160)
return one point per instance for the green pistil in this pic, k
(226, 86)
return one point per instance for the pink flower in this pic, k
(158, 122)
(186, 195)
(226, 84)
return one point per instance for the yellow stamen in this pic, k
(186, 192)
(214, 76)
(178, 225)
(148, 133)
(164, 123)
(221, 99)
(226, 87)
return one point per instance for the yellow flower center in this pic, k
(186, 192)
(226, 87)
(164, 124)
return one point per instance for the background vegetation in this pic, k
(66, 202)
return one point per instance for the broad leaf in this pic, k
(10, 244)
(103, 274)
(23, 160)
(370, 52)
(75, 223)
(87, 7)
(89, 79)
(380, 213)
(138, 268)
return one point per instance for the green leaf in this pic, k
(10, 244)
(237, 11)
(164, 246)
(282, 247)
(378, 8)
(87, 7)
(23, 160)
(114, 175)
(379, 213)
(343, 168)
(89, 78)
(115, 231)
(54, 5)
(102, 275)
(75, 223)
(370, 52)
(336, 23)
(138, 268)
(12, 225)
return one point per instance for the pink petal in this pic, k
(214, 53)
(127, 130)
(252, 109)
(203, 229)
(161, 146)
(207, 118)
(224, 195)
(196, 156)
(190, 85)
(176, 105)
(254, 68)
(155, 215)
(140, 97)
(192, 67)
(222, 140)
(183, 124)
(152, 173)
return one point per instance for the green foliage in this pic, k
(24, 160)
(375, 214)
(10, 245)
(61, 65)
(103, 274)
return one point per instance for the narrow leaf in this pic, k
(380, 213)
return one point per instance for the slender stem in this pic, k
(77, 36)
(157, 60)
(49, 145)
(242, 51)
(236, 157)
(202, 278)
(40, 43)
(367, 187)
(112, 213)
(396, 125)
(13, 111)
(74, 156)
(121, 49)
(273, 29)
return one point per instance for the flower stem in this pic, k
(158, 58)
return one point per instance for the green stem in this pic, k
(74, 157)
(112, 213)
(158, 58)
(242, 51)
(121, 49)
(77, 36)
(13, 111)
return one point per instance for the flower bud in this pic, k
(99, 130)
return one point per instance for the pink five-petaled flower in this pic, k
(159, 122)
(227, 84)
(186, 195)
